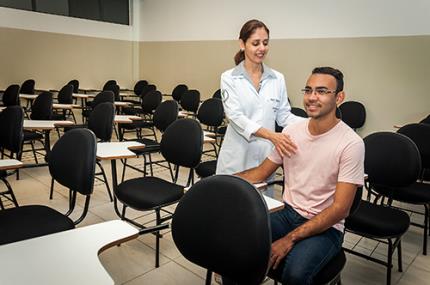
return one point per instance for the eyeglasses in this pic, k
(320, 91)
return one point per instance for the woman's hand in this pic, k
(283, 144)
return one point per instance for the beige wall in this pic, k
(388, 74)
(53, 59)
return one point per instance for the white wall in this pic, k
(33, 21)
(187, 20)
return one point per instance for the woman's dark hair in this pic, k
(336, 73)
(247, 30)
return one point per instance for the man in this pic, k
(320, 182)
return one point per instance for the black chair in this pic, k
(100, 123)
(11, 95)
(178, 91)
(27, 87)
(353, 114)
(165, 114)
(190, 101)
(391, 161)
(418, 193)
(426, 120)
(331, 272)
(138, 87)
(115, 90)
(206, 168)
(299, 112)
(217, 94)
(40, 110)
(181, 145)
(12, 135)
(75, 84)
(108, 84)
(74, 170)
(65, 96)
(211, 114)
(222, 224)
(150, 102)
(104, 96)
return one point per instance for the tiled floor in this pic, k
(133, 262)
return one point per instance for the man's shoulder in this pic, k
(350, 135)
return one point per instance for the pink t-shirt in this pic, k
(320, 162)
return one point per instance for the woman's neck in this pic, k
(253, 68)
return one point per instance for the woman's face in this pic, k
(256, 46)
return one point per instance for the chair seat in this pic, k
(363, 221)
(206, 168)
(417, 193)
(31, 221)
(147, 193)
(328, 273)
(30, 136)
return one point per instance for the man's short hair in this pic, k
(336, 73)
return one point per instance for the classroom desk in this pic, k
(65, 106)
(126, 119)
(113, 151)
(46, 126)
(29, 97)
(69, 257)
(2, 108)
(10, 164)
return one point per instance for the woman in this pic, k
(254, 98)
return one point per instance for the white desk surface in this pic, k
(45, 124)
(7, 164)
(117, 150)
(126, 119)
(2, 108)
(84, 96)
(272, 204)
(121, 104)
(207, 139)
(69, 257)
(65, 106)
(28, 96)
(209, 134)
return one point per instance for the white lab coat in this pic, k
(248, 110)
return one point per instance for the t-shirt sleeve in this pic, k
(351, 168)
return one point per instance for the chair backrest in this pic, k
(420, 135)
(42, 107)
(139, 86)
(11, 128)
(108, 84)
(165, 114)
(211, 112)
(146, 89)
(101, 120)
(178, 91)
(72, 160)
(230, 229)
(353, 114)
(151, 101)
(190, 100)
(75, 84)
(115, 90)
(65, 96)
(391, 160)
(104, 96)
(27, 87)
(11, 95)
(426, 120)
(299, 112)
(217, 94)
(182, 143)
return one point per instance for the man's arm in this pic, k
(259, 173)
(343, 198)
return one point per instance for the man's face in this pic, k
(319, 98)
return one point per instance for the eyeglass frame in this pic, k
(320, 91)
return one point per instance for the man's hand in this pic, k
(280, 249)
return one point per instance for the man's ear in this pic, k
(340, 97)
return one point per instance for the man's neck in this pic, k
(320, 126)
